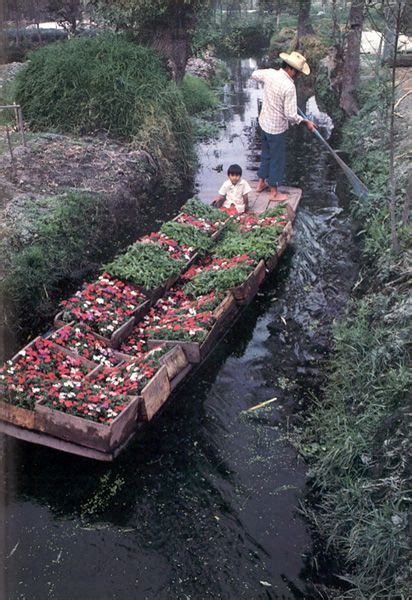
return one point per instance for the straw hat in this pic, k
(297, 61)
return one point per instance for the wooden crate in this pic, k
(119, 356)
(174, 361)
(121, 333)
(154, 395)
(197, 351)
(24, 417)
(245, 292)
(85, 432)
(284, 239)
(16, 415)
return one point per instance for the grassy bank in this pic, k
(355, 436)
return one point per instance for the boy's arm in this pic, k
(218, 201)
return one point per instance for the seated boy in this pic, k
(234, 191)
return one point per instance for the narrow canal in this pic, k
(204, 503)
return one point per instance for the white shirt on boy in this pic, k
(234, 194)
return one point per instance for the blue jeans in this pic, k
(272, 162)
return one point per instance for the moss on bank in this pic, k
(355, 438)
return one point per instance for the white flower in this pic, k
(99, 301)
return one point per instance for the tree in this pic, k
(66, 13)
(165, 25)
(304, 24)
(350, 75)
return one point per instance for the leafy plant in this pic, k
(258, 244)
(146, 265)
(83, 85)
(197, 208)
(188, 235)
(219, 280)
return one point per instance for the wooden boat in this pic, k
(81, 437)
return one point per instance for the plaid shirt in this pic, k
(279, 100)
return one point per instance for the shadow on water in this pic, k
(204, 502)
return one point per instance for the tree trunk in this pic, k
(389, 35)
(350, 76)
(174, 45)
(304, 24)
(392, 181)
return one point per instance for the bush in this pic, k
(67, 235)
(84, 85)
(244, 37)
(197, 94)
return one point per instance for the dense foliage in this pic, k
(257, 244)
(197, 208)
(197, 94)
(146, 265)
(40, 263)
(85, 85)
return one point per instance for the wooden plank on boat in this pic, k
(154, 395)
(42, 439)
(180, 377)
(174, 361)
(246, 291)
(84, 432)
(16, 415)
(259, 202)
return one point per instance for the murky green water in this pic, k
(204, 503)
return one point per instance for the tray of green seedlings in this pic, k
(147, 266)
(260, 243)
(220, 275)
(189, 235)
(203, 216)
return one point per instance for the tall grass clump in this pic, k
(84, 85)
(355, 441)
(197, 94)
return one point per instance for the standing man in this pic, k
(278, 110)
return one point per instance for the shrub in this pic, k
(68, 235)
(84, 85)
(197, 95)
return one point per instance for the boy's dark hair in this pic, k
(234, 170)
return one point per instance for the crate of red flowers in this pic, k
(28, 376)
(108, 306)
(84, 413)
(193, 324)
(146, 377)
